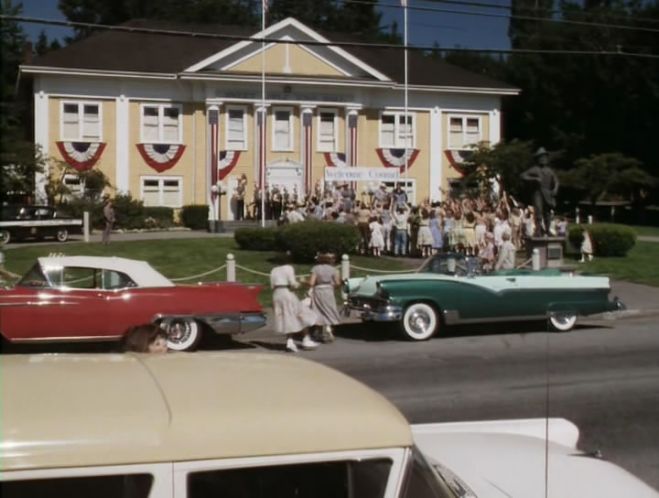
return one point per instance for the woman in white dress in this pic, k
(291, 315)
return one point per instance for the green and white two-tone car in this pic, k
(447, 291)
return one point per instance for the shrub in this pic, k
(158, 217)
(129, 212)
(195, 216)
(305, 240)
(256, 239)
(609, 240)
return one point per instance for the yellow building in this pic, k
(170, 117)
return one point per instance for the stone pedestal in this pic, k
(549, 248)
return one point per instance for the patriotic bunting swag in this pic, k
(81, 155)
(337, 159)
(228, 159)
(161, 157)
(457, 157)
(397, 158)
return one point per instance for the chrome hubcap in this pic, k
(419, 322)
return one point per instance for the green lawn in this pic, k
(182, 258)
(646, 230)
(641, 265)
(190, 257)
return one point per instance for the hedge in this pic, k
(195, 216)
(302, 240)
(609, 240)
(256, 239)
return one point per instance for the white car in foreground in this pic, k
(242, 425)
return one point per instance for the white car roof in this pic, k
(141, 272)
(68, 410)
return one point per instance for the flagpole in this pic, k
(407, 124)
(262, 115)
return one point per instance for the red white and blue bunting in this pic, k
(337, 159)
(397, 158)
(81, 155)
(228, 160)
(457, 157)
(161, 157)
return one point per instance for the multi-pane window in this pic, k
(236, 130)
(81, 121)
(464, 131)
(161, 124)
(327, 130)
(396, 131)
(282, 129)
(162, 191)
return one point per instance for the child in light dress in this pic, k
(376, 242)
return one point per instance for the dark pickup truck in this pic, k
(22, 222)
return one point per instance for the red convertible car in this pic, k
(88, 298)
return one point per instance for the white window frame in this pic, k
(320, 146)
(161, 109)
(291, 128)
(227, 145)
(81, 106)
(161, 184)
(466, 144)
(399, 141)
(161, 472)
(398, 456)
(77, 190)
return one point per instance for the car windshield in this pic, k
(34, 278)
(425, 481)
(450, 264)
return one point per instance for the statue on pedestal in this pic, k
(545, 184)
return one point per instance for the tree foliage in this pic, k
(331, 15)
(610, 174)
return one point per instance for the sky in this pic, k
(425, 27)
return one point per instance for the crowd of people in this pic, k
(491, 228)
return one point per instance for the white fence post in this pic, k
(345, 267)
(231, 268)
(590, 219)
(535, 259)
(85, 225)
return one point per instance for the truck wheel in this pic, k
(5, 237)
(183, 334)
(420, 322)
(62, 235)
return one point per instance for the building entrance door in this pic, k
(287, 176)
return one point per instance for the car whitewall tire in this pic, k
(420, 322)
(62, 235)
(562, 322)
(5, 237)
(183, 334)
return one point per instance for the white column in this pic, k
(436, 154)
(122, 137)
(41, 131)
(495, 127)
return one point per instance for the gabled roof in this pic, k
(176, 52)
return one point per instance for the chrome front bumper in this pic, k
(235, 323)
(386, 313)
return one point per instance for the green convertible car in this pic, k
(449, 290)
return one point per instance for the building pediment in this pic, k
(250, 57)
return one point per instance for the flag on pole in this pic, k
(264, 5)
